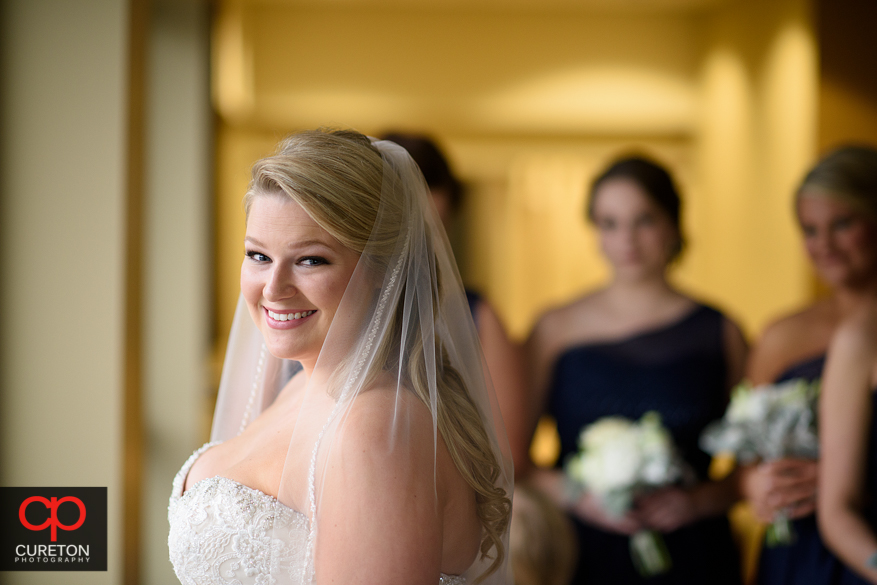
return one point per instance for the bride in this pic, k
(354, 438)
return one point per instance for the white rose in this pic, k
(621, 460)
(605, 430)
(749, 405)
(610, 456)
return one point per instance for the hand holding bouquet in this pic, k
(768, 422)
(619, 459)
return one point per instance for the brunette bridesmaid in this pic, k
(634, 345)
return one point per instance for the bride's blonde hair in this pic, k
(337, 176)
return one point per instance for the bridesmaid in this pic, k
(833, 205)
(848, 428)
(638, 344)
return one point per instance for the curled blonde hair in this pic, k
(338, 178)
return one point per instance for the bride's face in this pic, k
(293, 277)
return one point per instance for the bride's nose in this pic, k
(280, 284)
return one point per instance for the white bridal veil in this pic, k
(403, 324)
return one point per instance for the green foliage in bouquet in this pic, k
(766, 423)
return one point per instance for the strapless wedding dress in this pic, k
(225, 533)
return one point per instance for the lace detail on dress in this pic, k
(222, 532)
(225, 533)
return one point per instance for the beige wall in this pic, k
(177, 263)
(64, 157)
(62, 183)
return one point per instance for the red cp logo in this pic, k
(52, 506)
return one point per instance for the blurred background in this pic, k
(128, 127)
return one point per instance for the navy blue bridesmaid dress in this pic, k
(807, 561)
(678, 370)
(474, 299)
(849, 577)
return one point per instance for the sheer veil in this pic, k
(401, 360)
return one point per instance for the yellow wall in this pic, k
(757, 138)
(529, 103)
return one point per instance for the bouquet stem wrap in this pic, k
(780, 532)
(649, 553)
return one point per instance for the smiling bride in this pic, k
(355, 438)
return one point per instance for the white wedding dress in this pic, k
(225, 533)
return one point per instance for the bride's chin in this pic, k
(299, 346)
(285, 354)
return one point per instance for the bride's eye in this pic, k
(257, 256)
(312, 261)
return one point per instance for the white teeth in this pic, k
(288, 316)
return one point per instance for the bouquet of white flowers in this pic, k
(619, 459)
(768, 422)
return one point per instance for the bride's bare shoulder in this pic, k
(389, 431)
(377, 493)
(383, 413)
(391, 461)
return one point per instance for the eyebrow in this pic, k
(303, 244)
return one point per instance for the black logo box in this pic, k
(82, 549)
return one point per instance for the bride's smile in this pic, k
(293, 277)
(276, 319)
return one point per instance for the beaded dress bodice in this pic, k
(224, 533)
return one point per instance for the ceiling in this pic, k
(580, 6)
